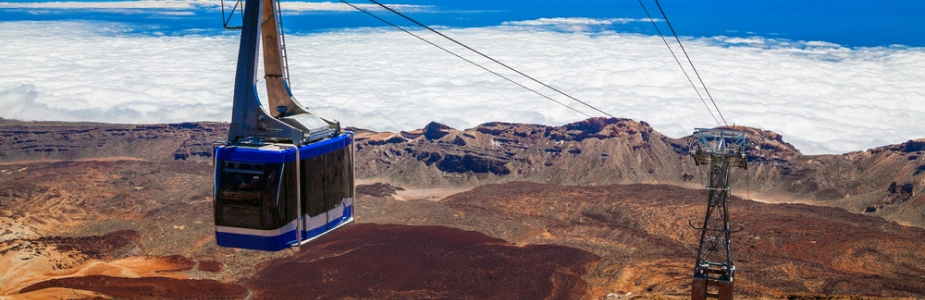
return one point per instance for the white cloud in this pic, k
(822, 97)
(69, 72)
(575, 21)
(338, 6)
(575, 24)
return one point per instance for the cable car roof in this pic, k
(273, 154)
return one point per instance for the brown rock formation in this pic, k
(646, 246)
(377, 189)
(73, 141)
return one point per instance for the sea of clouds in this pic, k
(822, 97)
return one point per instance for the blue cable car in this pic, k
(282, 179)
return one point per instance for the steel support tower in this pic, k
(714, 270)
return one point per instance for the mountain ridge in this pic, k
(613, 196)
(591, 151)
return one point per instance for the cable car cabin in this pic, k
(269, 198)
(282, 178)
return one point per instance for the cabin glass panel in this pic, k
(313, 186)
(348, 171)
(248, 195)
(327, 179)
(334, 179)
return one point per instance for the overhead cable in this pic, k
(488, 57)
(679, 63)
(691, 62)
(463, 58)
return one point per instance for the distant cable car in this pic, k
(282, 180)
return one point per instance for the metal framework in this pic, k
(714, 269)
(283, 119)
(226, 19)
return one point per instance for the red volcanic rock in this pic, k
(412, 134)
(494, 128)
(178, 263)
(423, 262)
(913, 146)
(474, 163)
(376, 138)
(386, 138)
(601, 128)
(435, 130)
(106, 246)
(71, 141)
(210, 266)
(897, 193)
(146, 287)
(378, 189)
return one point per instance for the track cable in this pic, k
(487, 57)
(465, 59)
(652, 20)
(679, 63)
(689, 60)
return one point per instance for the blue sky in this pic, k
(850, 23)
(831, 76)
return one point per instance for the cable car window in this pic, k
(348, 171)
(313, 186)
(334, 179)
(247, 195)
(287, 199)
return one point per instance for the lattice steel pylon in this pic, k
(714, 270)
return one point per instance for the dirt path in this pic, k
(431, 194)
(777, 200)
(436, 194)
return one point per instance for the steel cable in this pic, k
(691, 62)
(679, 63)
(488, 57)
(463, 58)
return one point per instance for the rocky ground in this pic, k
(887, 181)
(103, 210)
(423, 262)
(125, 225)
(642, 235)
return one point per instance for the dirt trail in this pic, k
(428, 194)
(406, 194)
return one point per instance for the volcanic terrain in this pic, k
(594, 209)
